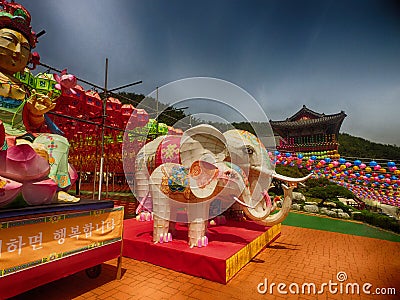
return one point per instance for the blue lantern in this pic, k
(391, 164)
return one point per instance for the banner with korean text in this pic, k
(31, 242)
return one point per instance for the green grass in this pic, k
(328, 224)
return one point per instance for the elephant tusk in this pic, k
(285, 187)
(279, 176)
(290, 179)
(262, 170)
(245, 204)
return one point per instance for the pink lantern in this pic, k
(21, 163)
(42, 192)
(9, 189)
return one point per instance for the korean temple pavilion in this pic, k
(308, 132)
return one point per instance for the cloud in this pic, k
(330, 56)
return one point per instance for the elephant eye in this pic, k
(249, 150)
(230, 174)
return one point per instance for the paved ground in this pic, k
(299, 256)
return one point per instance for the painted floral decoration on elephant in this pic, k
(177, 181)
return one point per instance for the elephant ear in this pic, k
(203, 142)
(203, 178)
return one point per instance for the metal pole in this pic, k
(102, 131)
(125, 86)
(157, 112)
(113, 183)
(107, 180)
(94, 176)
(157, 103)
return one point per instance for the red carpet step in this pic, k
(230, 248)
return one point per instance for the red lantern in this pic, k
(113, 107)
(142, 117)
(126, 112)
(94, 105)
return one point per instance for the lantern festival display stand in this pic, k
(45, 243)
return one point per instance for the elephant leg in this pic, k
(198, 217)
(197, 234)
(161, 216)
(160, 230)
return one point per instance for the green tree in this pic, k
(350, 146)
(329, 192)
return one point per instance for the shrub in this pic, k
(346, 208)
(290, 171)
(378, 220)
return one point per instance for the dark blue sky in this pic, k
(328, 55)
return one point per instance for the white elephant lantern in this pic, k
(188, 172)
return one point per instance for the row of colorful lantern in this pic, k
(383, 180)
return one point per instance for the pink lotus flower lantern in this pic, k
(65, 81)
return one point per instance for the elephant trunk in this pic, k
(262, 213)
(284, 211)
(256, 201)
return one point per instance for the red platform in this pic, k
(230, 248)
(26, 280)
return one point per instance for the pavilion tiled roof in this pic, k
(326, 119)
(312, 118)
(305, 111)
(306, 117)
